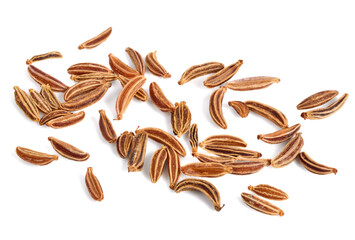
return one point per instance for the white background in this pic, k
(309, 45)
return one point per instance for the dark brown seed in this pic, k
(106, 128)
(137, 60)
(52, 115)
(157, 164)
(289, 153)
(121, 68)
(246, 167)
(82, 88)
(87, 68)
(154, 66)
(215, 107)
(44, 78)
(223, 75)
(66, 120)
(280, 135)
(200, 70)
(159, 99)
(241, 108)
(269, 192)
(44, 56)
(141, 94)
(26, 104)
(35, 157)
(67, 150)
(50, 97)
(123, 143)
(193, 137)
(317, 99)
(211, 169)
(180, 119)
(39, 101)
(315, 167)
(230, 151)
(174, 169)
(137, 154)
(96, 41)
(93, 185)
(261, 205)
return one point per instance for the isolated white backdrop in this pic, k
(309, 45)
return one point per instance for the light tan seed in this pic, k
(140, 95)
(109, 77)
(44, 78)
(93, 185)
(35, 157)
(317, 99)
(246, 167)
(67, 150)
(223, 75)
(261, 205)
(154, 66)
(207, 188)
(280, 135)
(174, 169)
(251, 83)
(47, 93)
(88, 68)
(157, 164)
(123, 143)
(52, 115)
(268, 192)
(41, 104)
(121, 68)
(289, 153)
(268, 112)
(81, 88)
(223, 140)
(26, 104)
(44, 56)
(200, 70)
(137, 60)
(231, 151)
(200, 169)
(66, 120)
(137, 154)
(313, 166)
(159, 99)
(321, 113)
(215, 107)
(241, 108)
(97, 40)
(180, 119)
(224, 160)
(193, 137)
(106, 128)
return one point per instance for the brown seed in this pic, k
(174, 169)
(207, 188)
(127, 93)
(245, 167)
(159, 99)
(280, 135)
(109, 77)
(268, 192)
(40, 102)
(35, 157)
(223, 140)
(66, 120)
(50, 97)
(137, 60)
(313, 166)
(52, 115)
(154, 66)
(106, 128)
(200, 169)
(289, 153)
(96, 41)
(225, 160)
(193, 137)
(261, 205)
(241, 108)
(81, 88)
(157, 164)
(137, 154)
(317, 99)
(67, 150)
(44, 78)
(123, 143)
(180, 119)
(251, 83)
(88, 68)
(44, 56)
(26, 104)
(200, 70)
(93, 185)
(140, 95)
(121, 68)
(321, 113)
(223, 75)
(215, 107)
(231, 151)
(268, 112)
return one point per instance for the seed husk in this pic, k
(67, 150)
(268, 192)
(43, 78)
(121, 68)
(251, 83)
(193, 137)
(137, 153)
(82, 88)
(261, 205)
(174, 169)
(180, 118)
(93, 185)
(223, 140)
(313, 166)
(154, 66)
(52, 115)
(66, 120)
(44, 56)
(223, 75)
(159, 99)
(106, 128)
(50, 97)
(137, 60)
(41, 104)
(107, 76)
(88, 68)
(280, 135)
(157, 164)
(35, 157)
(26, 104)
(215, 107)
(246, 167)
(200, 70)
(211, 169)
(317, 99)
(289, 153)
(141, 95)
(123, 143)
(97, 40)
(241, 108)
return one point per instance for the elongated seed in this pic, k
(251, 83)
(289, 153)
(268, 192)
(141, 94)
(35, 157)
(106, 128)
(180, 119)
(215, 107)
(50, 97)
(97, 40)
(223, 75)
(241, 108)
(224, 160)
(81, 88)
(200, 70)
(123, 143)
(137, 154)
(41, 104)
(93, 185)
(261, 205)
(157, 164)
(121, 68)
(159, 99)
(67, 150)
(280, 135)
(44, 78)
(154, 66)
(26, 104)
(313, 166)
(223, 140)
(317, 99)
(107, 76)
(211, 169)
(88, 68)
(231, 151)
(193, 137)
(52, 115)
(44, 56)
(66, 120)
(174, 169)
(246, 167)
(137, 60)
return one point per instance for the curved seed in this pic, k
(140, 95)
(280, 135)
(157, 164)
(313, 166)
(109, 77)
(225, 160)
(93, 185)
(88, 68)
(164, 138)
(289, 153)
(50, 97)
(44, 78)
(223, 75)
(321, 113)
(173, 167)
(159, 99)
(251, 83)
(268, 192)
(180, 119)
(215, 107)
(137, 154)
(207, 188)
(106, 128)
(52, 115)
(230, 151)
(35, 157)
(81, 88)
(200, 70)
(44, 56)
(26, 104)
(154, 66)
(137, 60)
(200, 169)
(193, 137)
(121, 68)
(127, 93)
(261, 205)
(39, 101)
(268, 112)
(223, 140)
(241, 108)
(66, 120)
(317, 99)
(123, 143)
(246, 167)
(67, 150)
(96, 41)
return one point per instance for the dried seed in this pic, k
(261, 205)
(313, 166)
(268, 192)
(164, 138)
(67, 150)
(180, 119)
(215, 107)
(207, 188)
(109, 77)
(123, 143)
(81, 88)
(280, 135)
(137, 60)
(251, 83)
(157, 164)
(140, 95)
(66, 120)
(159, 99)
(50, 97)
(231, 151)
(52, 115)
(268, 112)
(327, 111)
(200, 70)
(96, 41)
(245, 167)
(241, 108)
(35, 157)
(224, 160)
(200, 169)
(317, 99)
(44, 56)
(121, 68)
(193, 137)
(223, 75)
(26, 104)
(127, 93)
(137, 154)
(106, 128)
(44, 78)
(93, 185)
(173, 167)
(223, 140)
(88, 68)
(289, 153)
(40, 102)
(154, 66)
